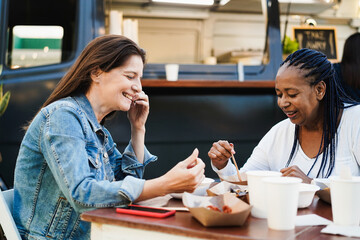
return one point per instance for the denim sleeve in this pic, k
(63, 145)
(128, 164)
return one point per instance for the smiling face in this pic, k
(114, 90)
(297, 98)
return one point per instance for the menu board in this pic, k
(322, 39)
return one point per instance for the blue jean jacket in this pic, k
(67, 164)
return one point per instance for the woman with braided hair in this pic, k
(321, 132)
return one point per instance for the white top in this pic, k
(273, 151)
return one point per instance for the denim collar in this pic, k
(89, 112)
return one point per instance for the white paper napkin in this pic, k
(311, 220)
(349, 231)
(156, 202)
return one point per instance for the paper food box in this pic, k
(324, 192)
(201, 207)
(223, 187)
(235, 179)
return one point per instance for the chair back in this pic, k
(6, 219)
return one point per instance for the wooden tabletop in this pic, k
(184, 224)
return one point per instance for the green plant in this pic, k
(290, 46)
(4, 100)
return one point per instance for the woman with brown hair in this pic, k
(68, 162)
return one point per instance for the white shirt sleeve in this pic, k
(356, 136)
(228, 170)
(257, 161)
(269, 154)
(356, 148)
(259, 158)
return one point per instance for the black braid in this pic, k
(335, 99)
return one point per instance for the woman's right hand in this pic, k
(186, 175)
(220, 152)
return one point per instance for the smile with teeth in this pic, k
(128, 96)
(290, 114)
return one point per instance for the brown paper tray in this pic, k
(210, 218)
(324, 195)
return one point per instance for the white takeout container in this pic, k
(224, 187)
(206, 182)
(321, 182)
(200, 190)
(306, 194)
(324, 192)
(235, 179)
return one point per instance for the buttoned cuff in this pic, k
(228, 170)
(130, 161)
(132, 187)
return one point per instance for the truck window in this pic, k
(36, 45)
(40, 32)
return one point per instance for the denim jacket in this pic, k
(67, 164)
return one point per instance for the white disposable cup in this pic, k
(257, 191)
(282, 195)
(172, 71)
(345, 200)
(210, 60)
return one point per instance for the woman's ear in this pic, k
(96, 74)
(320, 89)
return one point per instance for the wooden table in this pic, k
(107, 224)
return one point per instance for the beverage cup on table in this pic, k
(282, 195)
(172, 71)
(345, 200)
(257, 191)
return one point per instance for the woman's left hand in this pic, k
(294, 171)
(139, 111)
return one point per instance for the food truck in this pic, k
(227, 59)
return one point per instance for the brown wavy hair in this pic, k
(104, 53)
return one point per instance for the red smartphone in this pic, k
(146, 211)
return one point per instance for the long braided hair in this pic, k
(318, 68)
